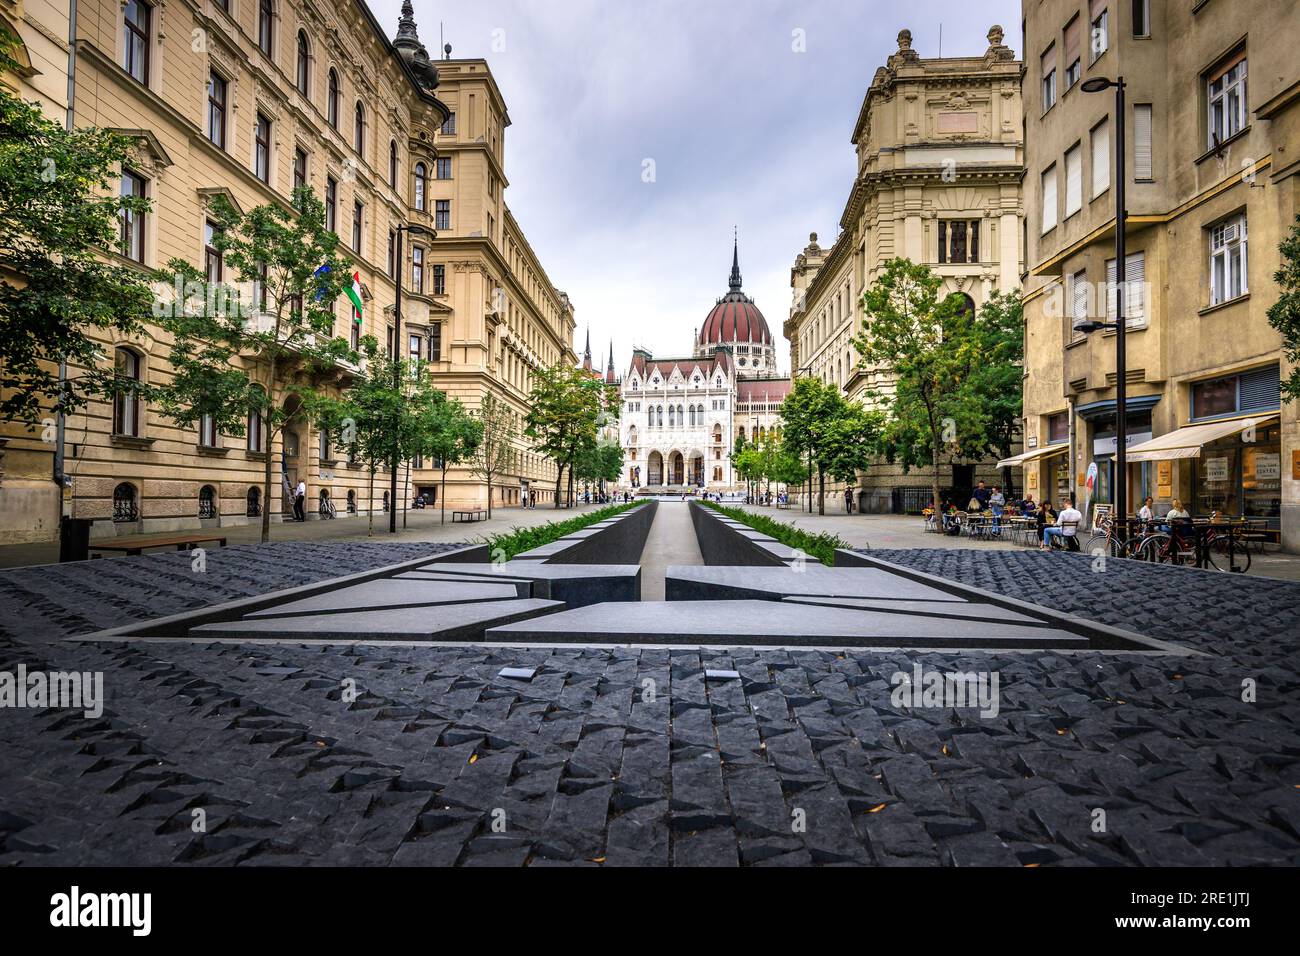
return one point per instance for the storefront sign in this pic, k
(1106, 446)
(1164, 479)
(1216, 470)
(1268, 467)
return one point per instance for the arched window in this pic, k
(126, 401)
(254, 502)
(265, 24)
(385, 501)
(303, 76)
(323, 506)
(332, 99)
(124, 503)
(421, 175)
(392, 163)
(661, 416)
(681, 416)
(717, 433)
(359, 129)
(672, 423)
(253, 431)
(352, 501)
(207, 502)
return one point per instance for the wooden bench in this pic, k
(139, 545)
(477, 514)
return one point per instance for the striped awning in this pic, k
(1186, 442)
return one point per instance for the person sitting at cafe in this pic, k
(1176, 512)
(1027, 507)
(981, 496)
(1067, 516)
(1147, 512)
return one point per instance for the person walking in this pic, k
(997, 503)
(299, 501)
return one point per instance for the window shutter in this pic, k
(1261, 389)
(1142, 156)
(1073, 40)
(1049, 198)
(1095, 7)
(1049, 60)
(1112, 306)
(1073, 180)
(1100, 158)
(1135, 276)
(1079, 295)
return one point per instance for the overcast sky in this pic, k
(741, 130)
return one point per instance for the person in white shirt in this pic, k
(1067, 515)
(1146, 512)
(299, 500)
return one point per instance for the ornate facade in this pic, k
(682, 416)
(939, 147)
(249, 98)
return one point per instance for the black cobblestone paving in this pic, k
(287, 754)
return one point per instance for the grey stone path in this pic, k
(631, 757)
(671, 541)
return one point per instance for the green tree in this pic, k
(60, 211)
(997, 380)
(1284, 314)
(929, 345)
(453, 439)
(599, 462)
(234, 349)
(849, 439)
(808, 411)
(564, 415)
(496, 450)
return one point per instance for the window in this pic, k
(323, 449)
(217, 109)
(439, 280)
(136, 17)
(1135, 282)
(1073, 180)
(357, 213)
(417, 269)
(443, 167)
(435, 342)
(1079, 302)
(1257, 390)
(124, 505)
(1142, 154)
(213, 267)
(253, 430)
(1226, 96)
(262, 148)
(265, 24)
(126, 400)
(332, 99)
(421, 175)
(303, 73)
(1142, 18)
(392, 254)
(1058, 428)
(392, 163)
(388, 342)
(413, 347)
(1228, 259)
(959, 240)
(1100, 28)
(442, 218)
(131, 221)
(260, 286)
(359, 129)
(1073, 51)
(449, 125)
(1047, 67)
(299, 168)
(207, 502)
(1049, 198)
(331, 202)
(354, 328)
(1100, 137)
(253, 502)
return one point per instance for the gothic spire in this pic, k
(586, 353)
(735, 265)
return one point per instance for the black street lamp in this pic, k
(1099, 84)
(415, 230)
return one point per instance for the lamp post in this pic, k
(1100, 84)
(415, 230)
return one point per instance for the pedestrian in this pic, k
(299, 500)
(848, 501)
(980, 495)
(997, 502)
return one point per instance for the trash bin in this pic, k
(74, 538)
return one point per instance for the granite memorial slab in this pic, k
(394, 592)
(691, 583)
(965, 610)
(576, 585)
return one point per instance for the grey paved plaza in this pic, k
(634, 755)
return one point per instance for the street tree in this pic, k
(453, 439)
(238, 352)
(496, 451)
(1284, 314)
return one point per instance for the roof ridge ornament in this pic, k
(734, 281)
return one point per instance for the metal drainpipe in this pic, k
(60, 478)
(1073, 455)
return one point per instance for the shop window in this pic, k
(1257, 390)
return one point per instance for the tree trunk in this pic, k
(821, 491)
(266, 471)
(559, 481)
(442, 494)
(934, 485)
(370, 529)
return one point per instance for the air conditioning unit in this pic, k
(1231, 233)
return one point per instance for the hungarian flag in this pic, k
(354, 293)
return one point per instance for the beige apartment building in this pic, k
(939, 146)
(248, 99)
(1212, 123)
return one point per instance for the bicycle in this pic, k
(327, 509)
(1104, 540)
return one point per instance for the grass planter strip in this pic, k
(819, 546)
(526, 539)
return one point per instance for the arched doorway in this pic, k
(655, 469)
(677, 469)
(697, 469)
(294, 463)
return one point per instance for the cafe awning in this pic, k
(1045, 452)
(1186, 442)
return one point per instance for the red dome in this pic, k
(735, 318)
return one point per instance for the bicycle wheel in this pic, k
(1217, 554)
(1155, 548)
